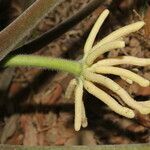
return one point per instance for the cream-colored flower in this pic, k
(94, 73)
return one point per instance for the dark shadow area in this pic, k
(23, 94)
(4, 13)
(42, 108)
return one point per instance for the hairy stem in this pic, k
(17, 30)
(72, 67)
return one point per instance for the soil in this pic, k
(35, 111)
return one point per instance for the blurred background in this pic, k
(33, 110)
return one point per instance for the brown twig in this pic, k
(57, 31)
(18, 29)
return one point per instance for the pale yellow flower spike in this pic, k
(92, 73)
(100, 79)
(122, 72)
(78, 105)
(123, 60)
(84, 122)
(69, 92)
(70, 89)
(108, 100)
(120, 33)
(104, 48)
(110, 84)
(94, 31)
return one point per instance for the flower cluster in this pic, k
(94, 73)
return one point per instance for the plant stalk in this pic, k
(69, 66)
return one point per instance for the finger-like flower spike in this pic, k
(93, 72)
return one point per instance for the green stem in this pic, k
(72, 67)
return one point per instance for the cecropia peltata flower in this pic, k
(94, 72)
